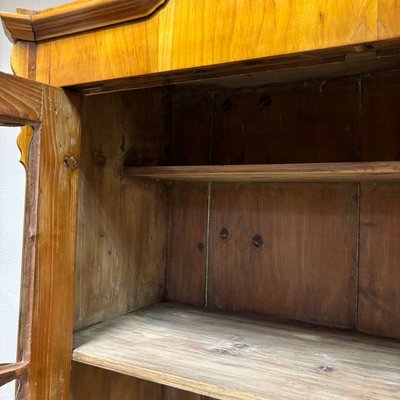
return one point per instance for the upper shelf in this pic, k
(319, 172)
(79, 16)
(237, 358)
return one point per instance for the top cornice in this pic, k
(76, 17)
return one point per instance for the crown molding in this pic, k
(77, 17)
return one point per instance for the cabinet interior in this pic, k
(301, 248)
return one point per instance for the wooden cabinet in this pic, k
(213, 199)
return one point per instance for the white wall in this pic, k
(12, 189)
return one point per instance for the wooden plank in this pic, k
(320, 64)
(285, 250)
(123, 224)
(188, 241)
(97, 212)
(56, 243)
(233, 357)
(379, 286)
(313, 172)
(90, 383)
(169, 42)
(190, 120)
(290, 123)
(379, 121)
(169, 393)
(10, 372)
(21, 100)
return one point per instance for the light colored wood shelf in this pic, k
(318, 172)
(231, 357)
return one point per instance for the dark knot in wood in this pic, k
(71, 162)
(257, 240)
(224, 234)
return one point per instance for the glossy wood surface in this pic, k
(192, 34)
(21, 101)
(240, 358)
(75, 17)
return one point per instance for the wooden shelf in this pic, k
(230, 357)
(319, 172)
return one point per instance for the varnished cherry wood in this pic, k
(317, 172)
(192, 34)
(241, 358)
(20, 101)
(75, 17)
(17, 26)
(9, 372)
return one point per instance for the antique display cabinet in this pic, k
(213, 199)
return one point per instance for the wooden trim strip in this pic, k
(317, 172)
(9, 372)
(20, 100)
(18, 26)
(76, 17)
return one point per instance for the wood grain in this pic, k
(125, 221)
(389, 13)
(379, 120)
(23, 59)
(10, 372)
(23, 64)
(313, 172)
(17, 26)
(189, 34)
(290, 251)
(379, 287)
(289, 123)
(21, 100)
(75, 17)
(89, 383)
(56, 244)
(188, 243)
(242, 358)
(319, 64)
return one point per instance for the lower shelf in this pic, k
(231, 357)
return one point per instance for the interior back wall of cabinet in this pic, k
(278, 247)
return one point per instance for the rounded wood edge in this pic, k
(23, 142)
(75, 17)
(23, 64)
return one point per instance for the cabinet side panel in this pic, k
(285, 250)
(379, 291)
(123, 223)
(56, 243)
